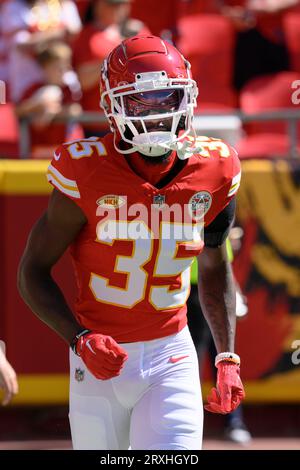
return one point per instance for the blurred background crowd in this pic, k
(245, 57)
(245, 54)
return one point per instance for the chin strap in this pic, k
(184, 149)
(142, 149)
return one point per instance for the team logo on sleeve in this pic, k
(199, 204)
(111, 201)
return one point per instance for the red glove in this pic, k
(229, 392)
(101, 354)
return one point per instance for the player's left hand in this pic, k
(229, 392)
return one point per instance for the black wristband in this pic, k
(73, 343)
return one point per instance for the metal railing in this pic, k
(289, 116)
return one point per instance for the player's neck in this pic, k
(154, 172)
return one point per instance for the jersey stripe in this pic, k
(235, 184)
(61, 178)
(64, 189)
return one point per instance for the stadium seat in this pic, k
(215, 97)
(207, 41)
(260, 95)
(264, 146)
(291, 24)
(267, 93)
(9, 132)
(75, 132)
(197, 6)
(157, 15)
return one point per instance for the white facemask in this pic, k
(152, 143)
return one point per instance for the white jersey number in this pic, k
(167, 264)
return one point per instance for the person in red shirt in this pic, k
(3, 50)
(28, 25)
(135, 208)
(107, 23)
(54, 97)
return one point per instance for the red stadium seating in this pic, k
(192, 7)
(268, 92)
(291, 24)
(264, 145)
(207, 41)
(9, 132)
(156, 14)
(216, 98)
(265, 94)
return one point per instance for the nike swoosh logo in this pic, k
(56, 156)
(89, 346)
(175, 359)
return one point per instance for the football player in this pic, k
(135, 208)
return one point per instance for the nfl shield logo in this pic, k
(79, 375)
(159, 201)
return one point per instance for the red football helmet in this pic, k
(148, 95)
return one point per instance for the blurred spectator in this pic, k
(53, 97)
(260, 43)
(82, 6)
(8, 378)
(260, 39)
(107, 23)
(3, 52)
(28, 24)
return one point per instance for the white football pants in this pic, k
(155, 403)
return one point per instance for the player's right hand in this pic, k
(101, 354)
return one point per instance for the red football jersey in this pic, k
(132, 259)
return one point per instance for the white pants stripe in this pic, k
(154, 403)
